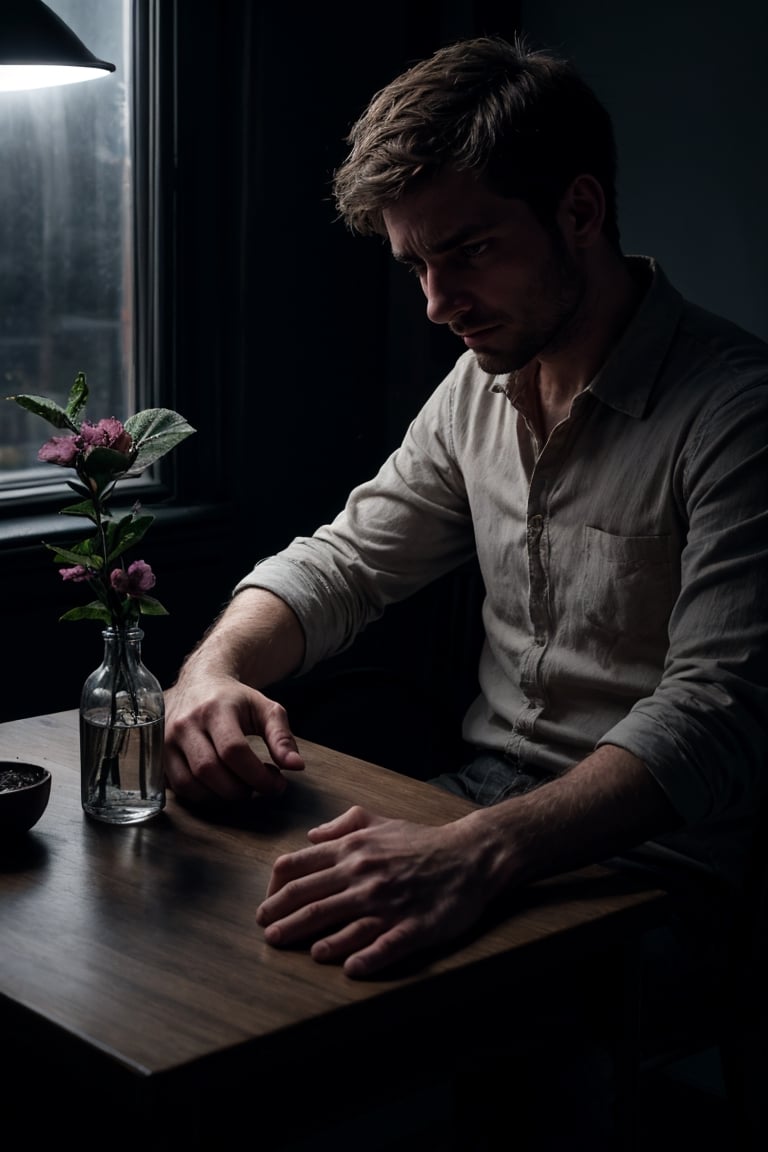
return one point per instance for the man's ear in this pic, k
(582, 211)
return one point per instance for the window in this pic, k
(67, 244)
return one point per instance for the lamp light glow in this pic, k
(37, 49)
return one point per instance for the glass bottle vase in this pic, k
(122, 721)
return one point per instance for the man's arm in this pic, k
(257, 639)
(606, 804)
(371, 891)
(215, 703)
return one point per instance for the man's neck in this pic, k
(610, 301)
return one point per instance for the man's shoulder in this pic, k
(719, 344)
(709, 337)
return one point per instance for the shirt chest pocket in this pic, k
(627, 586)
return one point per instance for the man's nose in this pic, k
(446, 299)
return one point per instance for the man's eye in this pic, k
(472, 251)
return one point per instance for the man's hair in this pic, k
(522, 121)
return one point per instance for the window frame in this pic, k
(176, 488)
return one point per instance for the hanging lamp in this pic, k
(38, 50)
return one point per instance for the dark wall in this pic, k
(336, 355)
(687, 86)
(335, 345)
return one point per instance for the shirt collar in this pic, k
(627, 377)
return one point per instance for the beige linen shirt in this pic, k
(625, 561)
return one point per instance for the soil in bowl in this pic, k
(24, 793)
(13, 778)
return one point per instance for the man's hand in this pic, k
(215, 705)
(207, 753)
(371, 891)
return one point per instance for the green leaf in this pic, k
(84, 509)
(155, 431)
(125, 533)
(149, 606)
(104, 464)
(80, 489)
(93, 611)
(78, 397)
(48, 409)
(84, 553)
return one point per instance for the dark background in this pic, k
(300, 352)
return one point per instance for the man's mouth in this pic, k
(473, 337)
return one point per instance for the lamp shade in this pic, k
(38, 49)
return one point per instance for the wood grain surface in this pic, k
(135, 948)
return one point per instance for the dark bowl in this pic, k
(24, 793)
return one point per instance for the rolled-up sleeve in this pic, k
(407, 526)
(703, 732)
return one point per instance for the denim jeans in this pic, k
(487, 778)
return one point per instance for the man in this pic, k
(600, 445)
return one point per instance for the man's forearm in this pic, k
(606, 804)
(257, 639)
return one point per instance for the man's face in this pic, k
(508, 286)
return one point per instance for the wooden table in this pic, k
(131, 963)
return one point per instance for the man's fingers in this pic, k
(351, 820)
(218, 761)
(299, 876)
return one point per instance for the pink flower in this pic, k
(59, 450)
(108, 433)
(76, 575)
(135, 581)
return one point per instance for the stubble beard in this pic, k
(560, 291)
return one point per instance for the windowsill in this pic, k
(29, 531)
